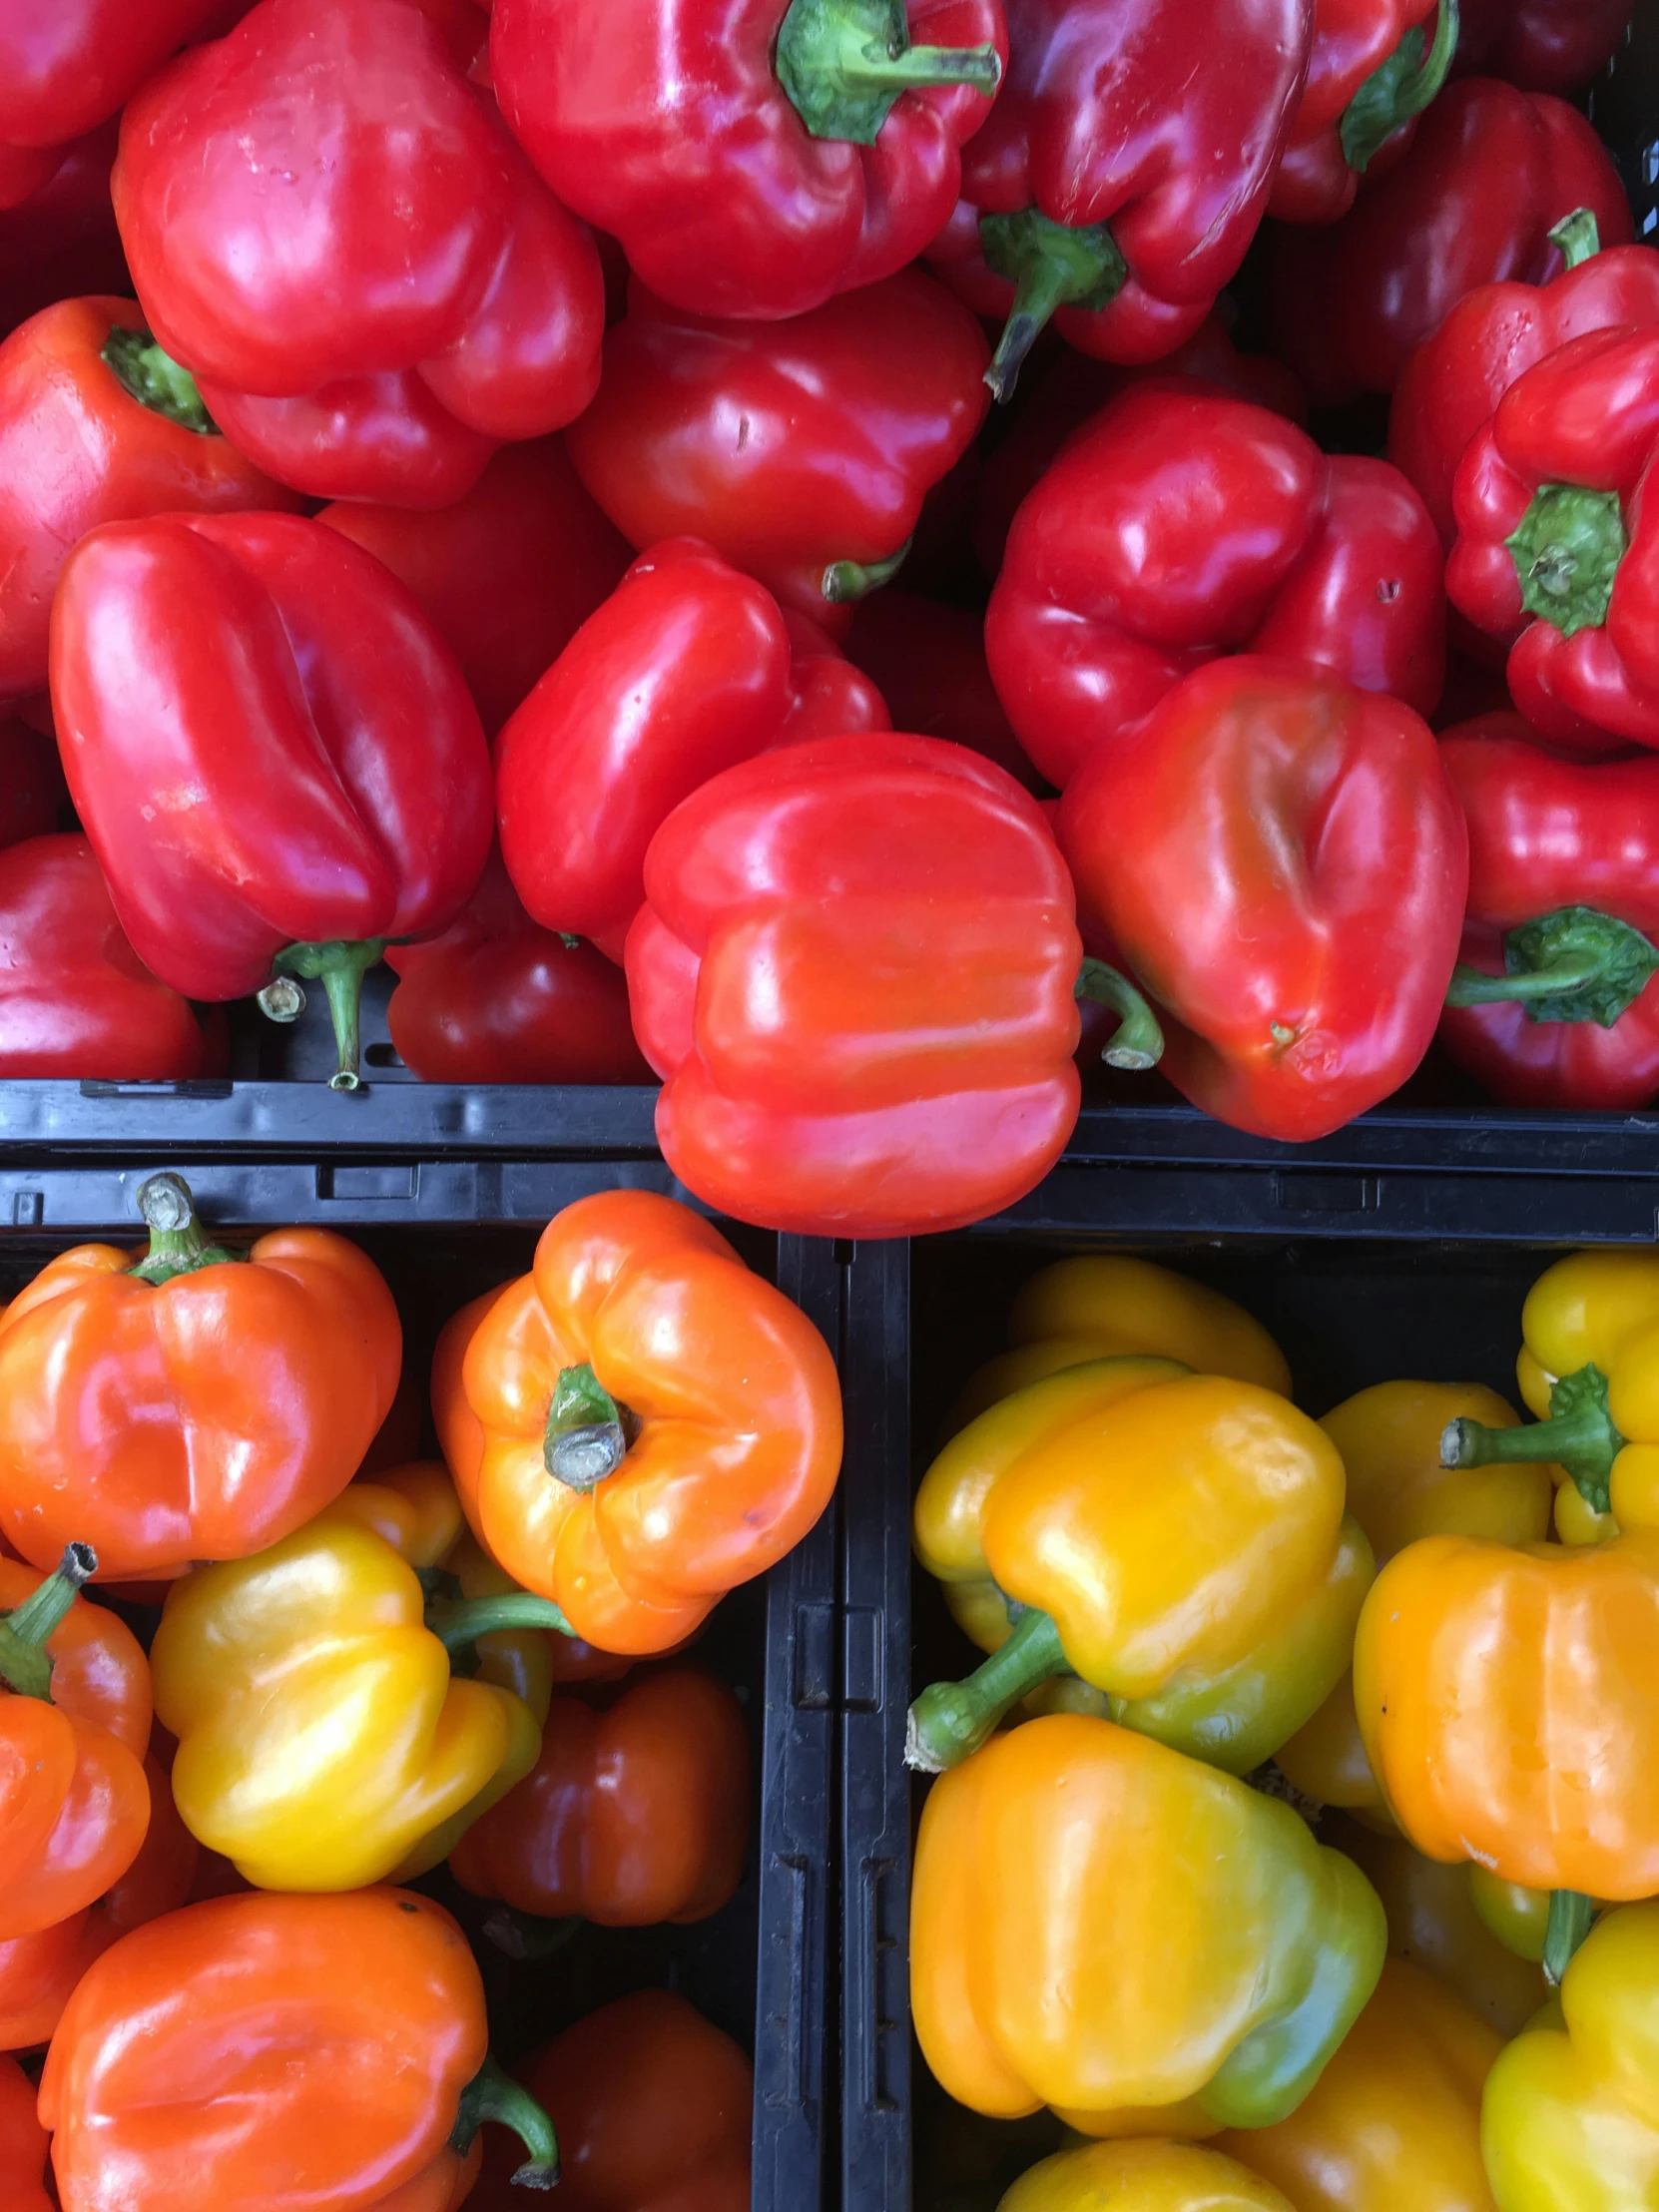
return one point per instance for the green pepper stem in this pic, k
(25, 1662)
(494, 2095)
(339, 965)
(459, 1621)
(1566, 549)
(1579, 1435)
(1571, 1917)
(1137, 1042)
(1574, 963)
(950, 1720)
(1399, 90)
(843, 581)
(156, 382)
(587, 1434)
(844, 64)
(1050, 265)
(1578, 236)
(178, 1245)
(1473, 986)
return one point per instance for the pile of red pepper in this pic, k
(455, 462)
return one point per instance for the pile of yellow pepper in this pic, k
(1297, 1842)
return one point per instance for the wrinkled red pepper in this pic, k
(686, 669)
(1282, 863)
(1563, 903)
(283, 783)
(1489, 176)
(754, 159)
(800, 450)
(1375, 66)
(32, 788)
(25, 2145)
(62, 241)
(1541, 45)
(413, 295)
(1455, 379)
(927, 660)
(1182, 524)
(856, 971)
(1123, 168)
(1557, 551)
(91, 432)
(508, 574)
(499, 999)
(75, 999)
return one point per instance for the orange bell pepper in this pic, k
(632, 1816)
(74, 1802)
(319, 2050)
(24, 2143)
(654, 2111)
(199, 1404)
(658, 1423)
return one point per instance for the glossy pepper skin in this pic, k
(507, 575)
(1554, 555)
(907, 1064)
(753, 159)
(802, 450)
(301, 776)
(1186, 837)
(1181, 525)
(412, 298)
(632, 1816)
(1541, 45)
(686, 669)
(80, 446)
(1455, 379)
(198, 1405)
(1374, 67)
(1492, 172)
(1123, 168)
(75, 999)
(1045, 1969)
(345, 2032)
(1141, 2177)
(499, 999)
(25, 2146)
(655, 1424)
(1568, 2116)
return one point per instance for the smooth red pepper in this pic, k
(508, 574)
(25, 2145)
(929, 662)
(91, 431)
(1375, 66)
(1282, 863)
(752, 157)
(499, 999)
(1123, 168)
(279, 785)
(1541, 45)
(856, 971)
(62, 241)
(1563, 898)
(75, 998)
(686, 669)
(1455, 379)
(1182, 524)
(1558, 550)
(1489, 176)
(32, 788)
(800, 450)
(330, 226)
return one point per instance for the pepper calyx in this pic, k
(1400, 87)
(1050, 265)
(1566, 549)
(845, 63)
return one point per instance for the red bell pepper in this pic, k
(1455, 379)
(1123, 170)
(1375, 66)
(91, 432)
(1182, 524)
(927, 660)
(1282, 861)
(32, 788)
(62, 241)
(410, 298)
(800, 450)
(755, 159)
(25, 2145)
(686, 669)
(1557, 551)
(1541, 45)
(1563, 901)
(1490, 175)
(856, 971)
(280, 785)
(499, 999)
(75, 998)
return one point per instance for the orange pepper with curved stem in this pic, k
(199, 1404)
(659, 1425)
(24, 2143)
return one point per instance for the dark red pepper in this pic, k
(284, 782)
(1123, 168)
(61, 242)
(756, 155)
(32, 788)
(927, 660)
(1490, 173)
(1541, 45)
(1375, 66)
(1183, 524)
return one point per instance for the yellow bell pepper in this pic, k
(1145, 1944)
(1105, 1305)
(1141, 2177)
(1571, 2120)
(323, 1743)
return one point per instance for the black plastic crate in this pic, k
(443, 1230)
